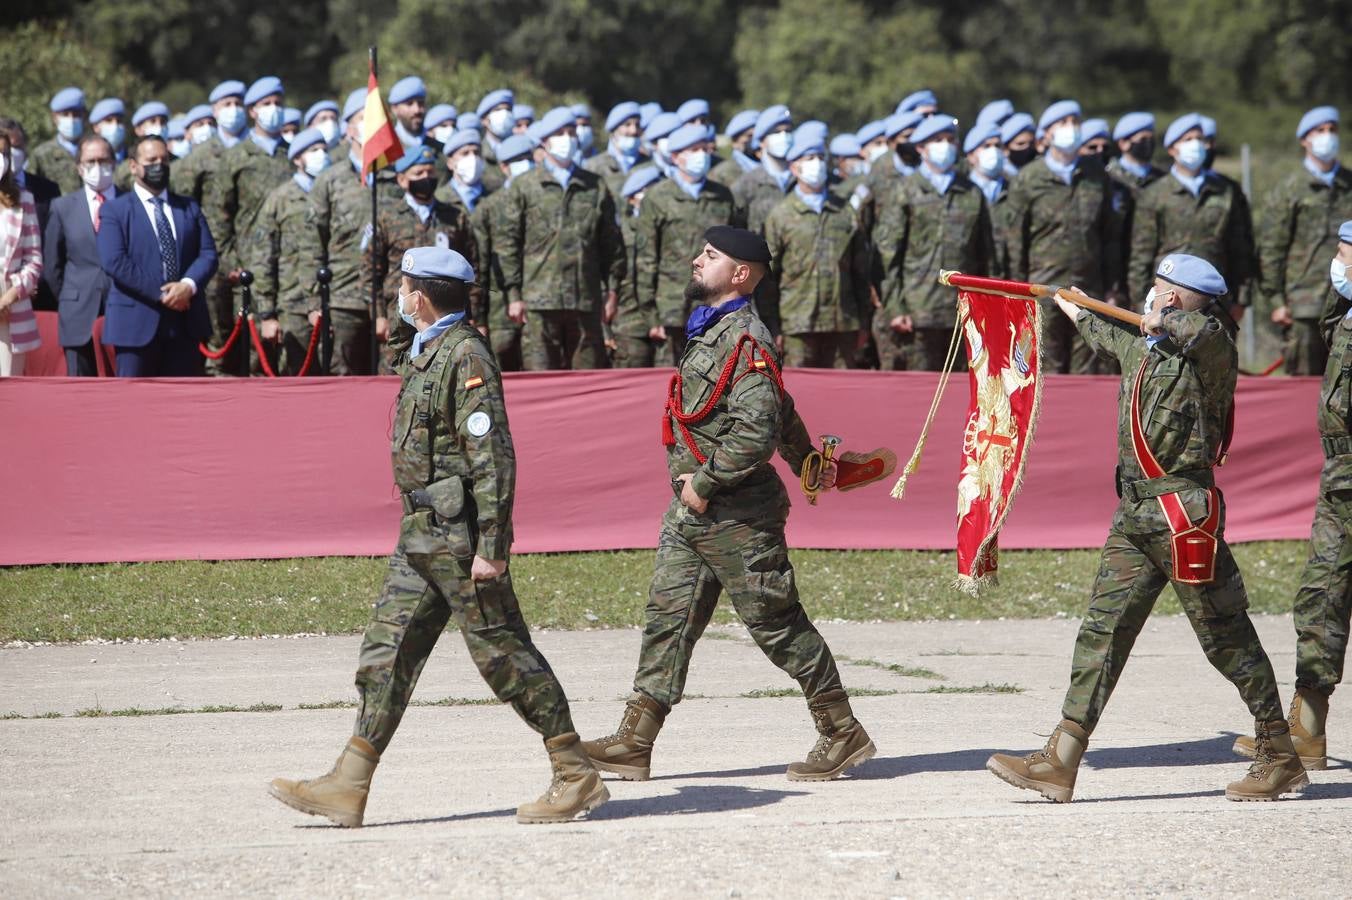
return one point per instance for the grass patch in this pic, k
(894, 668)
(762, 693)
(329, 704)
(871, 692)
(333, 595)
(457, 701)
(987, 688)
(99, 712)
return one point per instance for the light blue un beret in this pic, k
(1193, 273)
(436, 262)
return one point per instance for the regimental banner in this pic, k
(998, 323)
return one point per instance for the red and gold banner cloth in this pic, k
(999, 321)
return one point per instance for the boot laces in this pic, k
(556, 783)
(818, 752)
(1045, 754)
(1262, 758)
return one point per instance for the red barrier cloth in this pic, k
(100, 470)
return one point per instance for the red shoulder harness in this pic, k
(758, 363)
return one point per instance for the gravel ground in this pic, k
(176, 805)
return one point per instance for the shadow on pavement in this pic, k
(438, 820)
(693, 799)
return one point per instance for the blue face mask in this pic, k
(113, 133)
(231, 119)
(270, 118)
(407, 317)
(1338, 275)
(1191, 153)
(70, 127)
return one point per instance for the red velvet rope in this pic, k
(258, 346)
(310, 350)
(225, 348)
(675, 403)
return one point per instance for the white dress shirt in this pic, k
(107, 195)
(148, 204)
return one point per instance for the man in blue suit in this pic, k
(158, 251)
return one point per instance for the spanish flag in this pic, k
(380, 145)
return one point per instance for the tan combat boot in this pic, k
(1307, 719)
(628, 752)
(1050, 771)
(340, 795)
(843, 744)
(1276, 768)
(575, 789)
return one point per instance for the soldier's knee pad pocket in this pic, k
(769, 581)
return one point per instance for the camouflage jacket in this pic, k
(672, 225)
(921, 232)
(755, 194)
(451, 438)
(1169, 219)
(1187, 392)
(1335, 396)
(819, 268)
(235, 191)
(1062, 233)
(1130, 180)
(123, 179)
(487, 271)
(1300, 236)
(751, 420)
(559, 247)
(272, 254)
(339, 218)
(189, 175)
(1000, 229)
(727, 172)
(633, 318)
(51, 160)
(608, 168)
(398, 228)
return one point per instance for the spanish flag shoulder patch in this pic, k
(472, 383)
(758, 363)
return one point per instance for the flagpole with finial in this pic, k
(375, 288)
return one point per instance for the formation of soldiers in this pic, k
(582, 248)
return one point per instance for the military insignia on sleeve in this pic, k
(478, 424)
(471, 383)
(366, 236)
(759, 363)
(443, 242)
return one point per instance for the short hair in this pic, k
(92, 137)
(447, 295)
(9, 124)
(145, 139)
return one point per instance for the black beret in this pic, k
(740, 244)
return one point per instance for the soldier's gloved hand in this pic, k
(691, 500)
(611, 308)
(1070, 309)
(486, 569)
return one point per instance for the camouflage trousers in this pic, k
(822, 350)
(1133, 570)
(1304, 349)
(637, 352)
(563, 339)
(220, 299)
(921, 350)
(287, 356)
(351, 342)
(1324, 599)
(425, 586)
(505, 339)
(698, 557)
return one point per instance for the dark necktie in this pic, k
(168, 251)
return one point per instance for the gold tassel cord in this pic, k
(913, 463)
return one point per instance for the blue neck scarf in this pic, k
(705, 317)
(433, 331)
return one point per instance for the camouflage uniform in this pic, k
(1187, 394)
(339, 220)
(123, 179)
(1300, 236)
(919, 232)
(1324, 598)
(727, 172)
(273, 254)
(560, 249)
(1064, 234)
(488, 303)
(755, 194)
(234, 193)
(737, 544)
(817, 289)
(458, 490)
(671, 230)
(634, 319)
(188, 176)
(53, 161)
(1126, 194)
(608, 167)
(1169, 219)
(398, 228)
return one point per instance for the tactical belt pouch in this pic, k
(1150, 488)
(446, 500)
(1336, 446)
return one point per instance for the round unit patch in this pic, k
(478, 423)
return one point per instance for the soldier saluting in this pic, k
(727, 413)
(456, 468)
(1175, 413)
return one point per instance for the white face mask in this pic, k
(179, 147)
(469, 169)
(231, 119)
(876, 151)
(585, 137)
(4, 164)
(1191, 153)
(778, 144)
(1338, 276)
(521, 166)
(409, 317)
(627, 144)
(113, 133)
(1324, 146)
(941, 154)
(69, 127)
(562, 147)
(153, 128)
(1150, 301)
(500, 122)
(990, 161)
(1066, 137)
(329, 130)
(98, 176)
(270, 117)
(696, 164)
(813, 172)
(316, 160)
(442, 133)
(200, 134)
